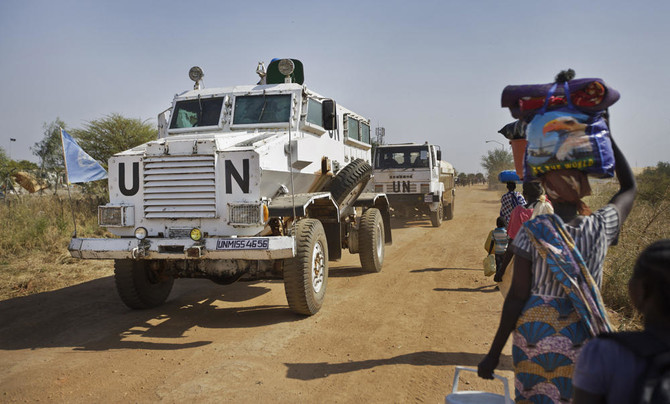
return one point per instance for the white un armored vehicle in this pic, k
(416, 180)
(258, 181)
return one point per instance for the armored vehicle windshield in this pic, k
(199, 112)
(254, 109)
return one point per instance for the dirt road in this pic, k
(389, 337)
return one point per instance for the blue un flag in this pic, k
(80, 166)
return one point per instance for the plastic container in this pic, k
(476, 397)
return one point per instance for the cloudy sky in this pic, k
(424, 70)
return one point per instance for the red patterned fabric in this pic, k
(589, 96)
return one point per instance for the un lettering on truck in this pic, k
(416, 180)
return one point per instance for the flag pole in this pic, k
(67, 183)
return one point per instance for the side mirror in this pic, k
(329, 115)
(439, 155)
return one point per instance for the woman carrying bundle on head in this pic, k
(554, 305)
(536, 204)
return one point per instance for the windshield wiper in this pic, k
(200, 113)
(265, 102)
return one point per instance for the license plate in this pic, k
(243, 244)
(428, 198)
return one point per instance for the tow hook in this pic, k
(141, 250)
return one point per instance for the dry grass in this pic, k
(34, 235)
(646, 223)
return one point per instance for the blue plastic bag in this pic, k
(508, 176)
(566, 138)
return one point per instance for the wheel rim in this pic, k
(318, 270)
(380, 242)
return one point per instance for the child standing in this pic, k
(496, 242)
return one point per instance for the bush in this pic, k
(648, 221)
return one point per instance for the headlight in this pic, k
(196, 234)
(116, 216)
(245, 214)
(140, 233)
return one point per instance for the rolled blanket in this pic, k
(589, 95)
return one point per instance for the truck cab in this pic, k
(416, 180)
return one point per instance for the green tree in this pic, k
(3, 156)
(24, 165)
(462, 178)
(4, 168)
(102, 138)
(495, 161)
(49, 150)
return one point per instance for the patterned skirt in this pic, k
(547, 341)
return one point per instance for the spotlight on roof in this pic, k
(286, 67)
(196, 75)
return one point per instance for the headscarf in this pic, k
(568, 186)
(542, 207)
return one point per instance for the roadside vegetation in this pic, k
(35, 232)
(35, 229)
(494, 162)
(648, 221)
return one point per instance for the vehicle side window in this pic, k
(365, 133)
(352, 128)
(315, 112)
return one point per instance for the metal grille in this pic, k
(244, 214)
(179, 186)
(400, 188)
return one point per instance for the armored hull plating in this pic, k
(242, 181)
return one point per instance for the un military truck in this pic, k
(257, 181)
(416, 180)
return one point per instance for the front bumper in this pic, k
(246, 248)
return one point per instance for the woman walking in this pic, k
(554, 305)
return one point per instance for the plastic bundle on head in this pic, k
(567, 127)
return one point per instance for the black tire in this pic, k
(350, 181)
(436, 217)
(371, 240)
(449, 211)
(138, 286)
(306, 274)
